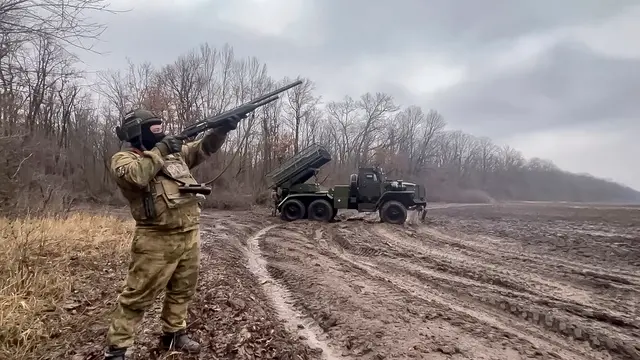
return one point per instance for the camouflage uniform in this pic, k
(165, 249)
(274, 202)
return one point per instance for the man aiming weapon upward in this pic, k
(154, 175)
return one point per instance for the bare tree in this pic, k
(57, 137)
(344, 120)
(67, 21)
(300, 104)
(114, 87)
(375, 108)
(185, 81)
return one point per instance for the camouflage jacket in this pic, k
(152, 175)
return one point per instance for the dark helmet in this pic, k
(132, 123)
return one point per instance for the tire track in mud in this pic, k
(281, 299)
(418, 291)
(465, 264)
(571, 328)
(488, 316)
(455, 266)
(375, 318)
(545, 275)
(514, 250)
(571, 323)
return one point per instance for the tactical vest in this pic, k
(173, 209)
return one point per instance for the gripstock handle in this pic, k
(195, 189)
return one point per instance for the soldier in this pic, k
(274, 200)
(165, 248)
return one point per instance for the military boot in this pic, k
(179, 341)
(115, 353)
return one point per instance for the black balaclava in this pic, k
(145, 139)
(149, 139)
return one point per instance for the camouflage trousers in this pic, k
(158, 262)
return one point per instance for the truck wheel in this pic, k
(393, 212)
(292, 209)
(320, 210)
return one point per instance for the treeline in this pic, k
(57, 134)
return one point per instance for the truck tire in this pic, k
(292, 209)
(320, 210)
(393, 212)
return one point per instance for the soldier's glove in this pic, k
(169, 145)
(230, 124)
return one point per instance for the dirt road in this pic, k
(475, 282)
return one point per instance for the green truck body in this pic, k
(367, 191)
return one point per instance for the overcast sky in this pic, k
(555, 79)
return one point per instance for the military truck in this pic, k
(368, 191)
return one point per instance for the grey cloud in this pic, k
(570, 85)
(359, 27)
(458, 26)
(160, 38)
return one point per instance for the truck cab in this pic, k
(370, 187)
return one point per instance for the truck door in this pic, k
(368, 191)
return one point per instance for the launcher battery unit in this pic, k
(368, 191)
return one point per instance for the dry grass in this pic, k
(227, 200)
(52, 271)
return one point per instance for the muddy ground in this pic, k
(508, 281)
